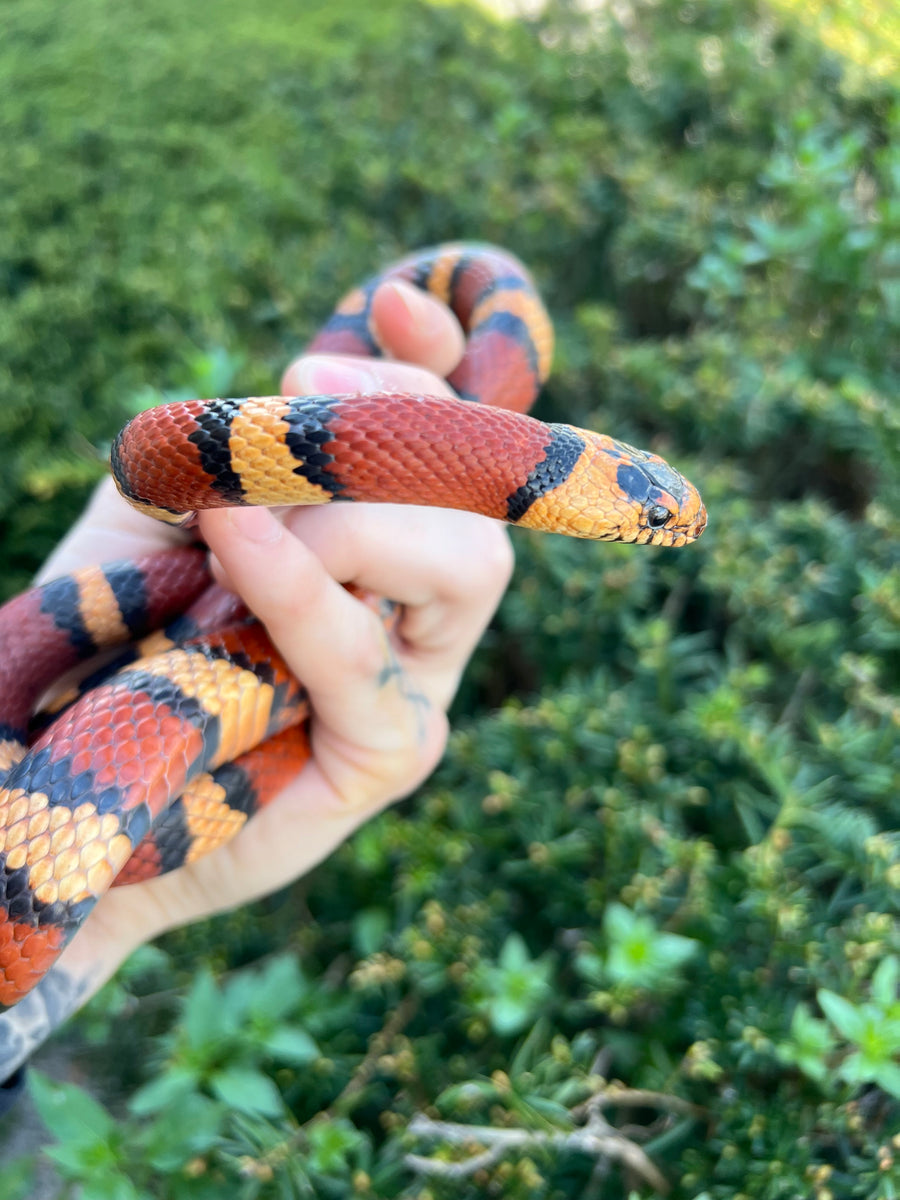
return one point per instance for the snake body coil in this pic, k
(167, 757)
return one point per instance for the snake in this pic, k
(162, 755)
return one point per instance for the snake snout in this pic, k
(674, 514)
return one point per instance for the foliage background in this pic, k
(663, 847)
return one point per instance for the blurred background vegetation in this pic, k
(642, 924)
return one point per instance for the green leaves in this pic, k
(639, 954)
(872, 1028)
(89, 1144)
(811, 1045)
(636, 954)
(292, 1045)
(215, 1090)
(246, 1091)
(75, 1116)
(226, 1032)
(332, 1144)
(514, 990)
(17, 1178)
(859, 1043)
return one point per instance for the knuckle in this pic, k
(493, 557)
(284, 607)
(404, 758)
(369, 655)
(410, 765)
(430, 749)
(410, 378)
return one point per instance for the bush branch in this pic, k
(597, 1138)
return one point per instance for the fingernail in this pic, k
(421, 315)
(325, 377)
(255, 524)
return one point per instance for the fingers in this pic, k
(341, 374)
(378, 723)
(375, 730)
(417, 328)
(449, 570)
(411, 326)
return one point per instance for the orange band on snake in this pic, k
(166, 758)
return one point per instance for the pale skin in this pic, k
(375, 733)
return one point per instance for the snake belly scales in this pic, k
(162, 757)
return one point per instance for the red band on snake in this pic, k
(166, 758)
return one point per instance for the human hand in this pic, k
(379, 704)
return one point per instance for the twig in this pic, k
(597, 1138)
(378, 1044)
(624, 1097)
(795, 701)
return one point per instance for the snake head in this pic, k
(609, 491)
(663, 508)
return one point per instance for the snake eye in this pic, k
(657, 516)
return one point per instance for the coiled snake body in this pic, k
(202, 723)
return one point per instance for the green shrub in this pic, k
(651, 895)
